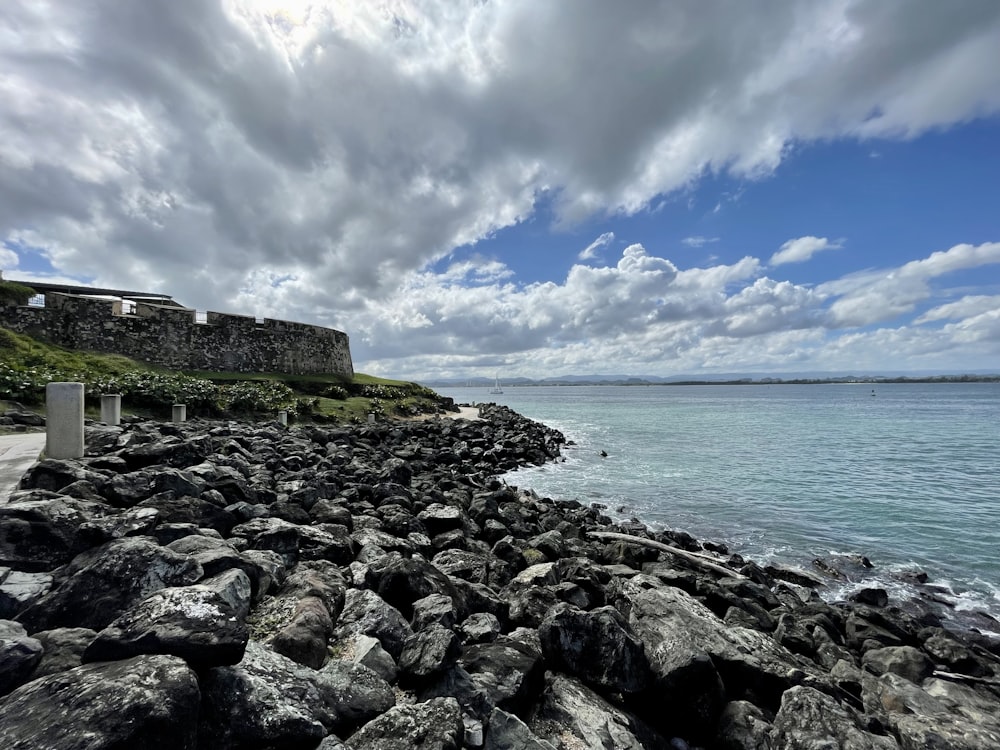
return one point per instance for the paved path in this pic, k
(17, 452)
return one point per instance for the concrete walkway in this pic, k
(17, 452)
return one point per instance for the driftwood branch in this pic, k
(965, 678)
(693, 557)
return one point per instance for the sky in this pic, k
(524, 188)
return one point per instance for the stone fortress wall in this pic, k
(180, 338)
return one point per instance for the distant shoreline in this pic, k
(876, 380)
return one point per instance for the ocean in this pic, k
(907, 475)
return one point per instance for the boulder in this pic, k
(905, 661)
(479, 627)
(507, 732)
(19, 655)
(405, 580)
(39, 535)
(811, 720)
(304, 639)
(427, 652)
(367, 613)
(435, 609)
(367, 651)
(267, 700)
(100, 584)
(572, 715)
(433, 725)
(63, 649)
(204, 624)
(597, 646)
(18, 590)
(742, 726)
(145, 702)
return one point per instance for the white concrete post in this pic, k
(180, 413)
(283, 416)
(371, 417)
(64, 420)
(111, 408)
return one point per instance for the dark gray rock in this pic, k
(53, 474)
(427, 652)
(572, 715)
(39, 535)
(367, 613)
(435, 609)
(597, 646)
(305, 638)
(811, 720)
(63, 649)
(505, 731)
(905, 661)
(405, 580)
(267, 700)
(19, 655)
(145, 702)
(433, 725)
(204, 624)
(743, 726)
(100, 584)
(367, 651)
(479, 627)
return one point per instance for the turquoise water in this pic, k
(909, 476)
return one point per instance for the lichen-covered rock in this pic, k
(305, 638)
(19, 590)
(906, 661)
(100, 584)
(19, 655)
(39, 535)
(145, 702)
(811, 720)
(427, 652)
(433, 725)
(204, 624)
(367, 613)
(63, 649)
(267, 700)
(505, 731)
(742, 726)
(571, 715)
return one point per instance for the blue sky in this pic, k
(540, 189)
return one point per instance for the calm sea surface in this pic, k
(907, 474)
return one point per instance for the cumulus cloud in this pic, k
(312, 161)
(802, 249)
(8, 259)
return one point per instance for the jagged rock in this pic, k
(427, 652)
(507, 732)
(405, 580)
(435, 609)
(39, 535)
(943, 647)
(811, 720)
(304, 639)
(319, 578)
(572, 715)
(63, 649)
(508, 673)
(597, 646)
(145, 702)
(178, 507)
(101, 583)
(53, 474)
(204, 624)
(433, 725)
(439, 518)
(18, 590)
(479, 627)
(267, 700)
(367, 613)
(860, 629)
(367, 651)
(872, 596)
(19, 655)
(133, 522)
(742, 726)
(905, 661)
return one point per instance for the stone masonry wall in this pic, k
(170, 336)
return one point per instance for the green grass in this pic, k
(27, 364)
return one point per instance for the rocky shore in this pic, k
(249, 586)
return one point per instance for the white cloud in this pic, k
(699, 241)
(802, 249)
(8, 259)
(966, 307)
(211, 149)
(590, 251)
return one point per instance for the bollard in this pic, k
(111, 409)
(64, 420)
(283, 416)
(180, 413)
(371, 417)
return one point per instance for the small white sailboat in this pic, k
(496, 389)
